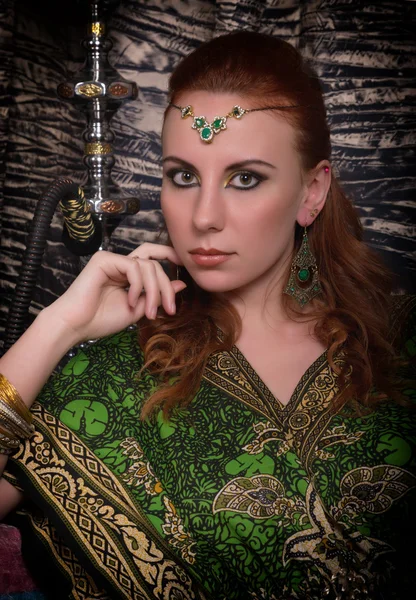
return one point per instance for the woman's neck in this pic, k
(260, 301)
(262, 309)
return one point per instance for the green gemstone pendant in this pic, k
(206, 133)
(219, 123)
(205, 129)
(304, 275)
(199, 122)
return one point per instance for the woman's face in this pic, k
(231, 206)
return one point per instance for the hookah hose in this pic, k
(81, 235)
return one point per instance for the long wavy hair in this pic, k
(351, 314)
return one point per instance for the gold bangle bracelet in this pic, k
(10, 395)
(14, 416)
(11, 426)
(8, 442)
(6, 451)
(4, 430)
(13, 429)
(12, 420)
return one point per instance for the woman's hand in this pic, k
(114, 291)
(110, 293)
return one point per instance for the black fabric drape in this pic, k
(365, 53)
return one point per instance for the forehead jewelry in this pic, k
(207, 130)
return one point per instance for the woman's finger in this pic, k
(140, 308)
(167, 292)
(135, 281)
(152, 277)
(151, 287)
(156, 285)
(156, 252)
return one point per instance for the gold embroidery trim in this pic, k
(84, 505)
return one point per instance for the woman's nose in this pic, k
(209, 210)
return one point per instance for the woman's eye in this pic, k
(244, 181)
(183, 178)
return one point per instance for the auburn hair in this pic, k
(351, 314)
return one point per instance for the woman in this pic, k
(267, 448)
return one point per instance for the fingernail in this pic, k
(172, 308)
(152, 314)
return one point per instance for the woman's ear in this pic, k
(317, 185)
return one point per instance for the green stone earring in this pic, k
(303, 284)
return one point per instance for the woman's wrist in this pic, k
(31, 360)
(59, 335)
(24, 369)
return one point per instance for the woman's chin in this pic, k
(214, 282)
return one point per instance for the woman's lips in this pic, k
(209, 258)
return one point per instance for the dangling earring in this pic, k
(177, 272)
(303, 284)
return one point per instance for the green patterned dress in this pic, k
(236, 497)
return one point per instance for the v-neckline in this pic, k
(265, 391)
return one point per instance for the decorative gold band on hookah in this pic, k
(97, 148)
(90, 90)
(98, 28)
(77, 214)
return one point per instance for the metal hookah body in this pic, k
(93, 211)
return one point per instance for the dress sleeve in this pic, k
(104, 369)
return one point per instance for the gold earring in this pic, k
(303, 284)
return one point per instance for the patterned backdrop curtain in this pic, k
(363, 51)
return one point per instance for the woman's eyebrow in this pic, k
(245, 163)
(180, 161)
(232, 167)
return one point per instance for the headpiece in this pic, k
(207, 130)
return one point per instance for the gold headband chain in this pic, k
(207, 130)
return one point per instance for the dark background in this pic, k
(364, 52)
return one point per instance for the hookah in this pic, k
(93, 211)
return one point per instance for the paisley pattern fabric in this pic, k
(234, 497)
